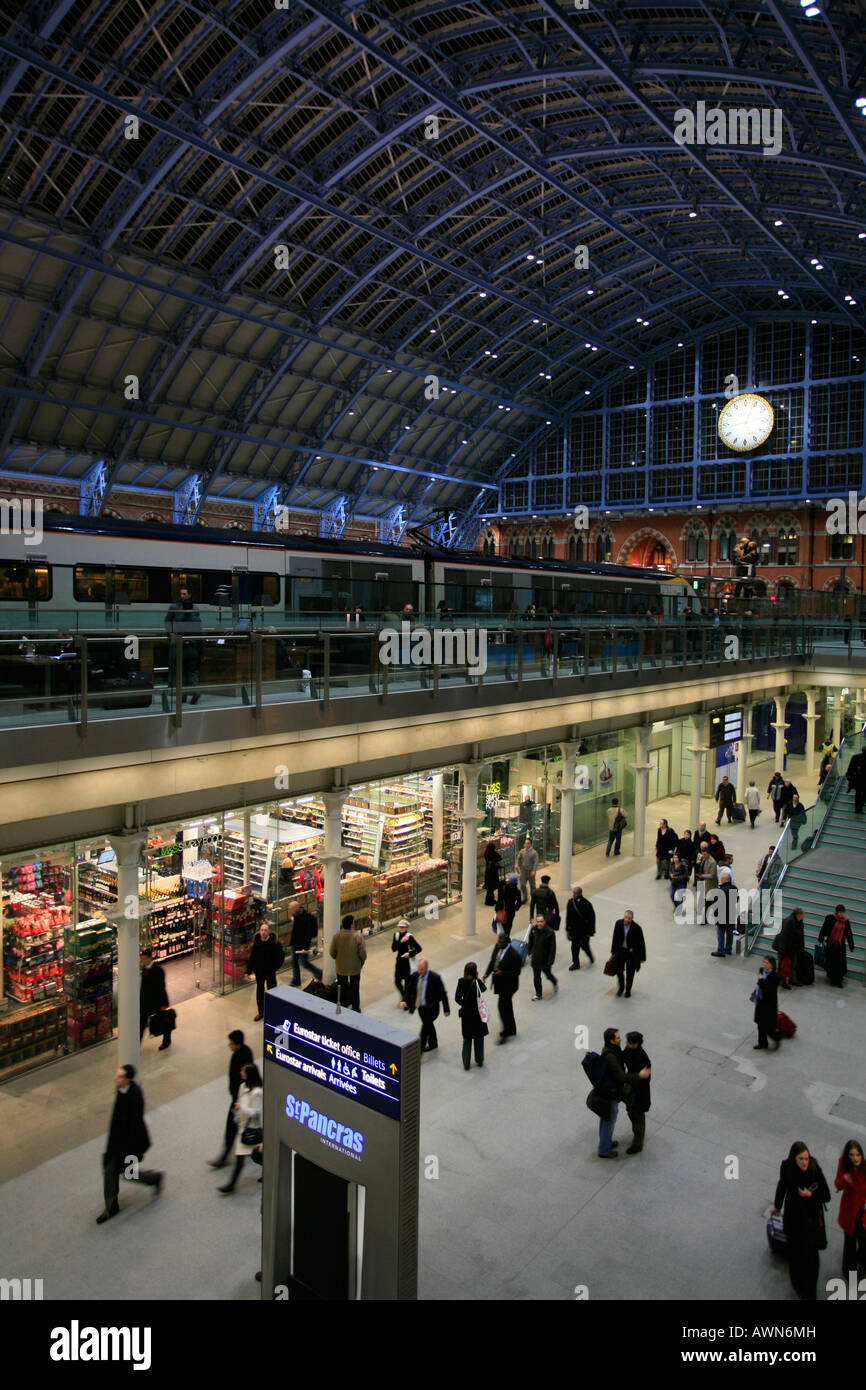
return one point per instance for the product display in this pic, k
(261, 854)
(97, 888)
(32, 1033)
(88, 981)
(238, 930)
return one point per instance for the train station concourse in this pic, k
(444, 811)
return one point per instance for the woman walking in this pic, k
(467, 996)
(492, 860)
(248, 1110)
(801, 1194)
(405, 947)
(836, 932)
(851, 1182)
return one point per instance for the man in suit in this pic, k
(266, 958)
(241, 1056)
(153, 995)
(542, 953)
(579, 926)
(128, 1142)
(505, 966)
(305, 930)
(425, 991)
(666, 843)
(628, 950)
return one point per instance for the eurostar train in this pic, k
(85, 568)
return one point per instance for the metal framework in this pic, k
(376, 260)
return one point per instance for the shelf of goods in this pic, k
(310, 812)
(356, 896)
(237, 931)
(33, 945)
(88, 981)
(97, 889)
(171, 927)
(431, 882)
(261, 855)
(403, 840)
(362, 830)
(41, 1028)
(505, 844)
(450, 823)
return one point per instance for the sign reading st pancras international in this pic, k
(330, 1053)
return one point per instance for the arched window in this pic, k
(547, 546)
(761, 536)
(840, 548)
(787, 547)
(659, 556)
(575, 548)
(696, 548)
(602, 547)
(489, 546)
(530, 547)
(514, 545)
(727, 541)
(785, 590)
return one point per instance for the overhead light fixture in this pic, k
(693, 213)
(586, 393)
(536, 320)
(778, 222)
(482, 294)
(631, 367)
(812, 11)
(590, 291)
(530, 257)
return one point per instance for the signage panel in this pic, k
(333, 1054)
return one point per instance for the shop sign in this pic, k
(492, 793)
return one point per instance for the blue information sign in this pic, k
(334, 1054)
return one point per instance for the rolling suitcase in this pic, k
(805, 968)
(739, 811)
(776, 1238)
(786, 1026)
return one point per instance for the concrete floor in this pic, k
(522, 1208)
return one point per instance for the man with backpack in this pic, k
(505, 965)
(609, 1082)
(616, 824)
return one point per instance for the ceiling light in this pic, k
(780, 292)
(464, 441)
(631, 367)
(541, 260)
(818, 265)
(586, 393)
(407, 427)
(812, 11)
(482, 294)
(550, 378)
(861, 102)
(814, 320)
(590, 291)
(494, 354)
(778, 222)
(530, 257)
(547, 422)
(814, 260)
(500, 407)
(638, 320)
(536, 320)
(487, 352)
(693, 213)
(848, 299)
(861, 235)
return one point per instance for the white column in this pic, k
(438, 814)
(837, 716)
(860, 705)
(745, 749)
(566, 820)
(470, 818)
(641, 767)
(332, 856)
(780, 699)
(811, 718)
(697, 749)
(128, 850)
(246, 819)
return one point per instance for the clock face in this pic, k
(746, 422)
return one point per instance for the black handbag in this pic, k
(252, 1135)
(598, 1105)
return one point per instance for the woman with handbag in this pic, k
(473, 1014)
(803, 1192)
(851, 1182)
(248, 1109)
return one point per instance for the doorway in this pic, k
(659, 785)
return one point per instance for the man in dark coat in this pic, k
(305, 930)
(856, 776)
(505, 966)
(795, 812)
(425, 992)
(511, 900)
(266, 958)
(788, 945)
(128, 1142)
(241, 1057)
(579, 926)
(766, 997)
(544, 900)
(152, 995)
(723, 912)
(775, 788)
(635, 1061)
(542, 953)
(617, 1082)
(700, 834)
(628, 950)
(666, 843)
(726, 795)
(687, 849)
(786, 796)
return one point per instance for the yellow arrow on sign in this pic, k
(270, 1049)
(393, 1069)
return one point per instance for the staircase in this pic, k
(834, 871)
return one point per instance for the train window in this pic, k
(119, 584)
(24, 583)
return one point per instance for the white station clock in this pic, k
(746, 422)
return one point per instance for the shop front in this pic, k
(205, 885)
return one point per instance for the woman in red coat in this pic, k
(851, 1182)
